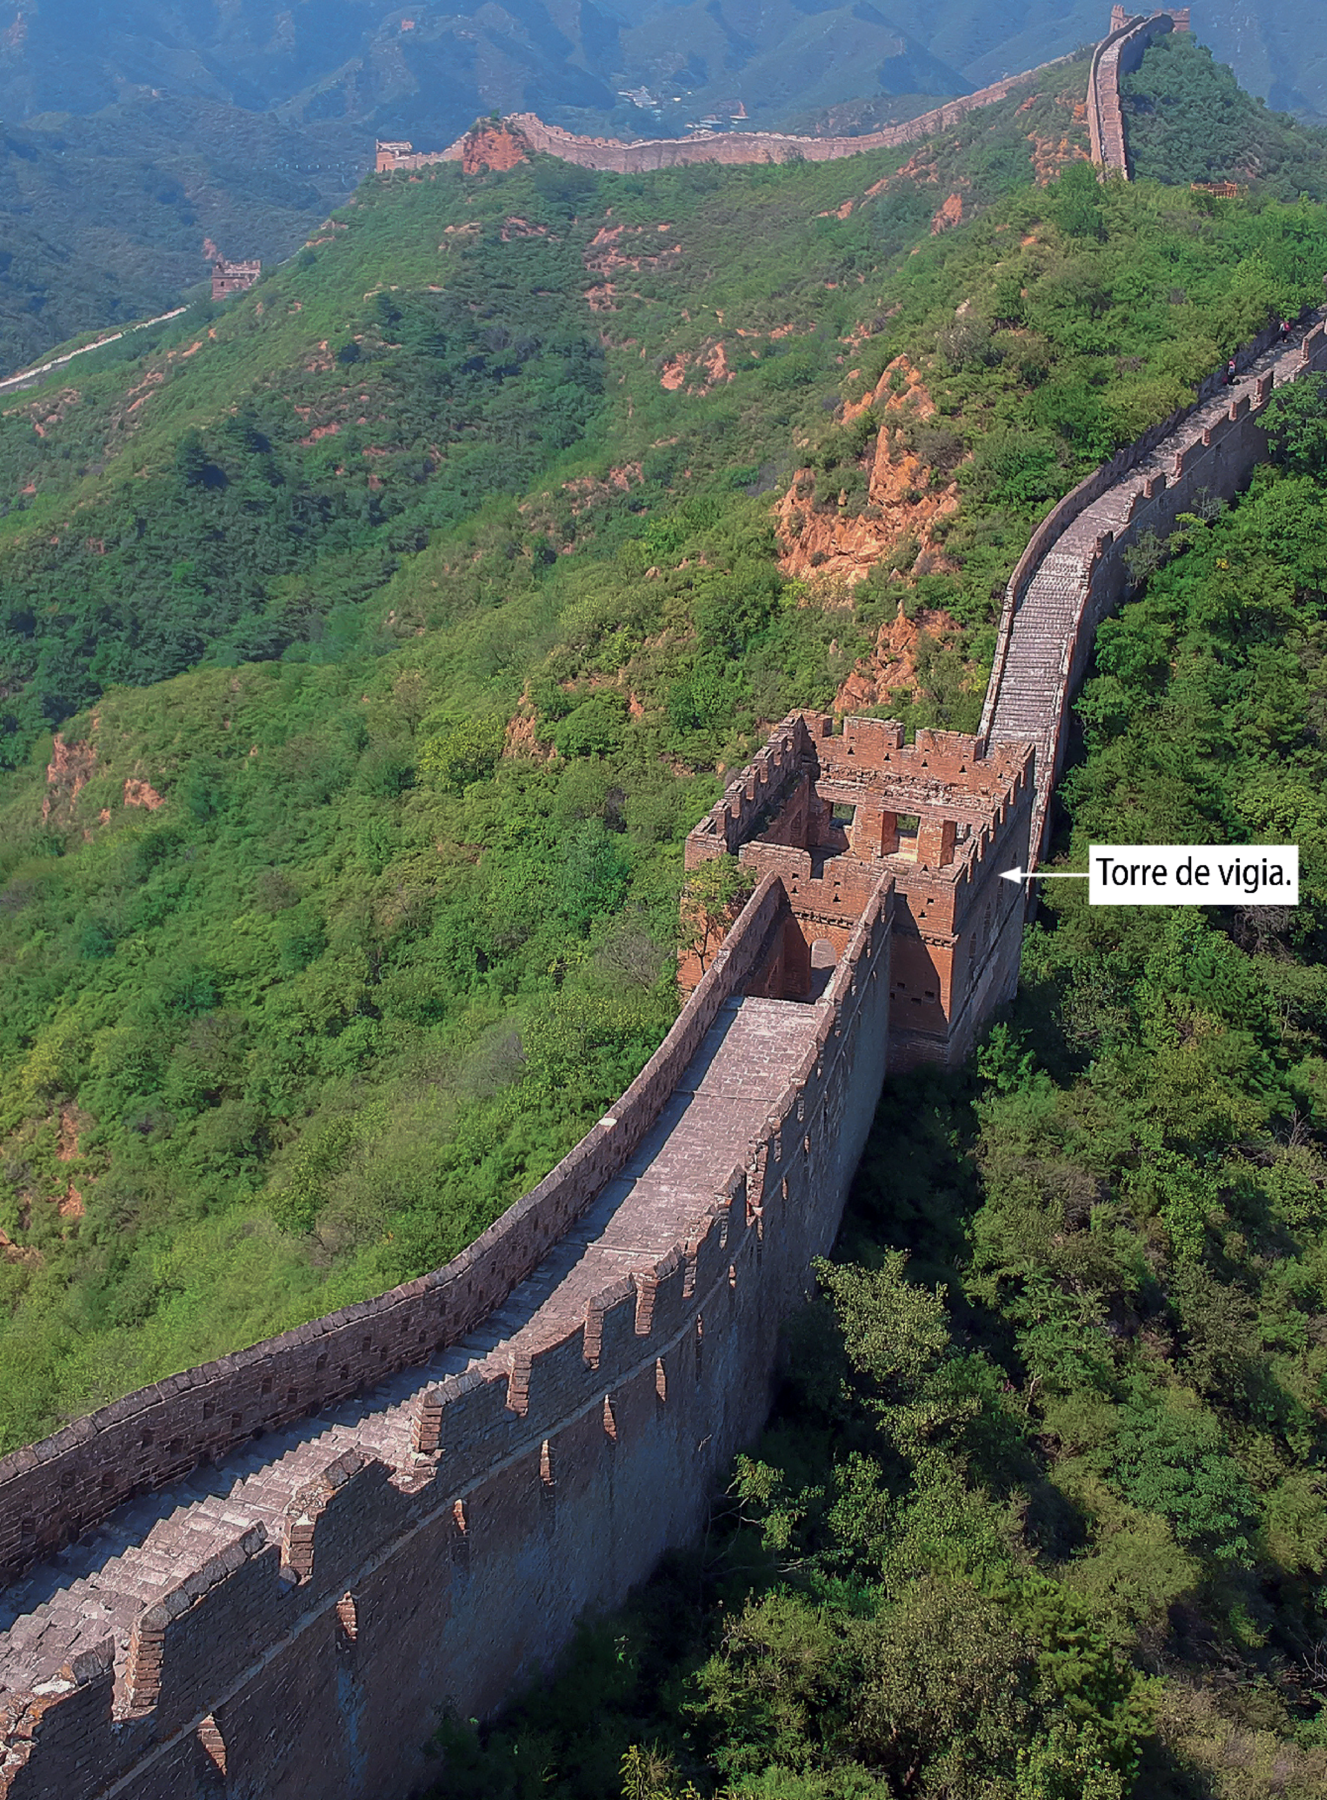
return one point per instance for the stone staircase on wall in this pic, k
(1075, 573)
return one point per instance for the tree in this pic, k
(1296, 424)
(713, 896)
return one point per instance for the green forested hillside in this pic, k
(104, 219)
(1188, 119)
(313, 962)
(1042, 1510)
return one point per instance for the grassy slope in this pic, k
(303, 1028)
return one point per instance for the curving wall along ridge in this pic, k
(53, 1490)
(641, 154)
(1120, 53)
(1073, 572)
(258, 1576)
(637, 155)
(287, 1618)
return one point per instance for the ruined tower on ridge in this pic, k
(233, 277)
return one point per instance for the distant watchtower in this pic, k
(233, 277)
(390, 153)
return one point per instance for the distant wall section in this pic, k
(1120, 53)
(1217, 459)
(233, 277)
(637, 155)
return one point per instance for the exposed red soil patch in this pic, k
(949, 215)
(67, 773)
(604, 253)
(520, 739)
(47, 411)
(140, 793)
(823, 542)
(602, 297)
(16, 1253)
(891, 667)
(70, 1203)
(1051, 155)
(72, 1121)
(522, 228)
(712, 359)
(588, 490)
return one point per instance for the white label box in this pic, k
(1193, 875)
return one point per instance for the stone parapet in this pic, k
(55, 1489)
(638, 155)
(1120, 53)
(303, 1657)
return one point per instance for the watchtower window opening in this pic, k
(843, 814)
(824, 960)
(908, 827)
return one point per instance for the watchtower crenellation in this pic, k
(233, 277)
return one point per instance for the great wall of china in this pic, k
(1074, 570)
(639, 155)
(1120, 52)
(262, 1576)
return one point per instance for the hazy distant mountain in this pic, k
(426, 70)
(103, 217)
(130, 132)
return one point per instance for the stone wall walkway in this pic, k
(97, 1587)
(1025, 698)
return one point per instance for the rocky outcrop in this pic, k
(903, 498)
(492, 146)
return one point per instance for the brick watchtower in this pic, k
(233, 277)
(831, 811)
